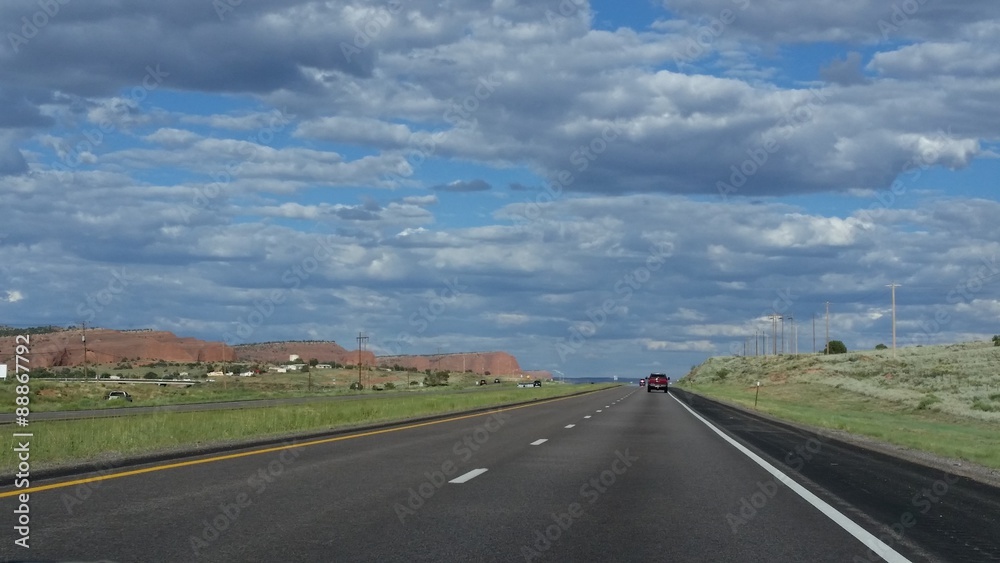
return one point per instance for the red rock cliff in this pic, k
(497, 363)
(66, 348)
(324, 351)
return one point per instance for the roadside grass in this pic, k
(51, 395)
(57, 443)
(939, 399)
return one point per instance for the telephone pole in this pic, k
(792, 345)
(827, 350)
(83, 338)
(814, 333)
(362, 341)
(782, 319)
(774, 333)
(893, 287)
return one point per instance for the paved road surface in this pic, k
(619, 475)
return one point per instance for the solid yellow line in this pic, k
(64, 484)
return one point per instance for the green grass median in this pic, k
(58, 443)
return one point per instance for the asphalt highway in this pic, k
(617, 475)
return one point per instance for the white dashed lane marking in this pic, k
(468, 476)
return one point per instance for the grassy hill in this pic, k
(942, 399)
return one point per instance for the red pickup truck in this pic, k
(657, 381)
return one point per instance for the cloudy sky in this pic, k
(597, 189)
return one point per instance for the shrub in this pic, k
(357, 386)
(996, 339)
(438, 378)
(836, 347)
(151, 375)
(881, 347)
(927, 401)
(390, 385)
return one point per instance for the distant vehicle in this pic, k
(497, 380)
(115, 395)
(537, 383)
(658, 381)
(482, 382)
(642, 382)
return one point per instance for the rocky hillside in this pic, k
(322, 350)
(496, 363)
(103, 346)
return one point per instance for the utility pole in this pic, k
(827, 350)
(791, 336)
(814, 333)
(782, 318)
(774, 333)
(893, 287)
(83, 339)
(362, 341)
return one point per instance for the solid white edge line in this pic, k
(569, 426)
(468, 476)
(598, 410)
(587, 416)
(539, 442)
(862, 535)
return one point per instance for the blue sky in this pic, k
(599, 189)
